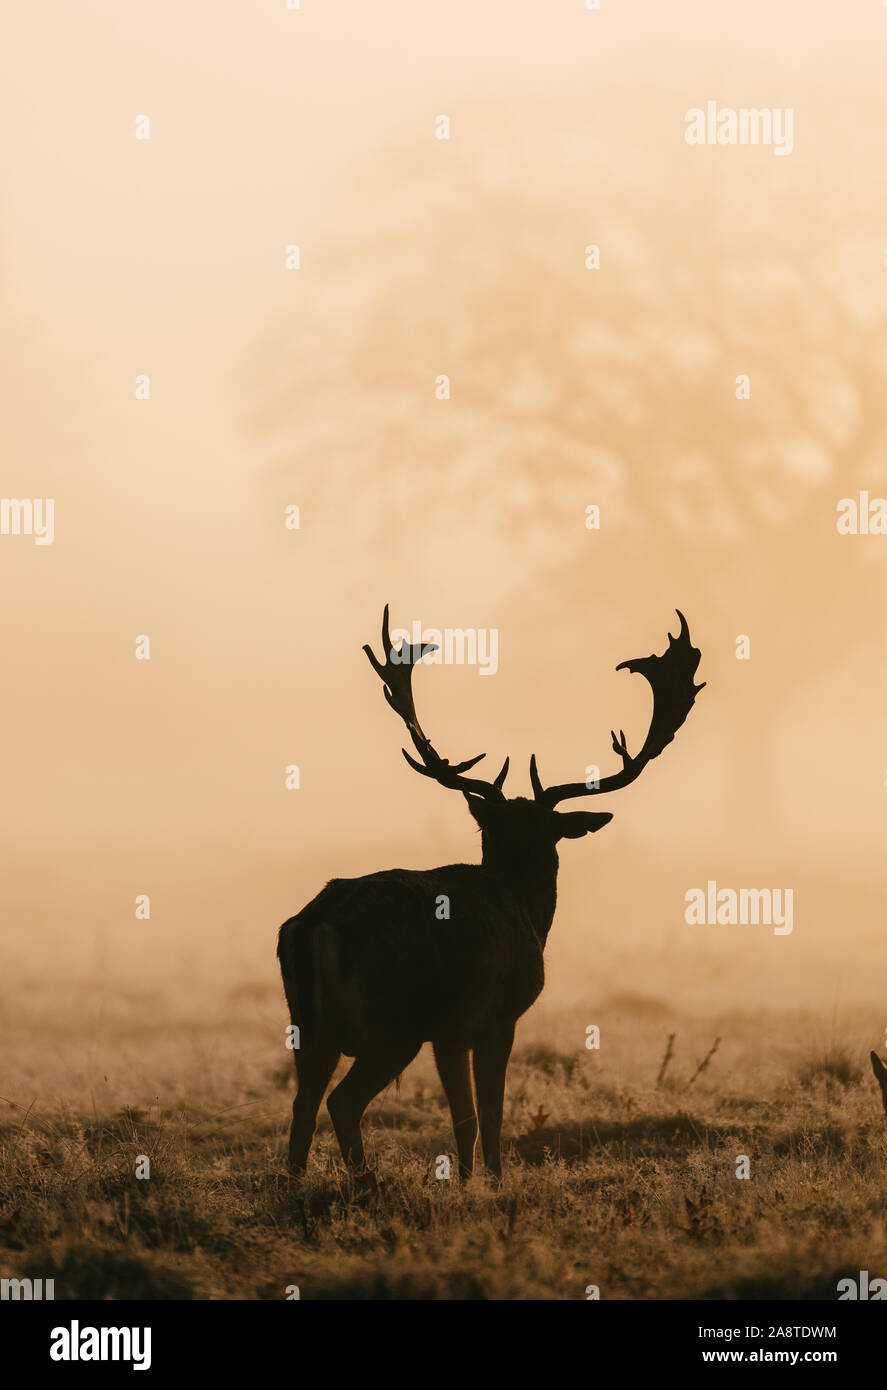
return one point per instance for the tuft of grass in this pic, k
(833, 1065)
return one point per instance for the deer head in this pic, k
(512, 827)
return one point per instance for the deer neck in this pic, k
(527, 883)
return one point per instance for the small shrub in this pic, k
(834, 1065)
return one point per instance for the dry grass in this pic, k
(610, 1181)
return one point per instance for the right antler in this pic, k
(396, 675)
(671, 679)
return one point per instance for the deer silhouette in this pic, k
(880, 1076)
(376, 966)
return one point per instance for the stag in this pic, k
(370, 969)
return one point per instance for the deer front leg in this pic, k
(490, 1063)
(454, 1069)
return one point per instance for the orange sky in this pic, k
(315, 126)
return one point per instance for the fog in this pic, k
(569, 387)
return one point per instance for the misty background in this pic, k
(570, 387)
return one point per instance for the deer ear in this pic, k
(571, 825)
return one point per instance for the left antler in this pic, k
(671, 679)
(396, 675)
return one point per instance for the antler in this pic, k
(396, 675)
(671, 679)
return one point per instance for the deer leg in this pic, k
(369, 1074)
(314, 1067)
(454, 1068)
(490, 1063)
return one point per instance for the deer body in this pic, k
(387, 974)
(386, 956)
(376, 966)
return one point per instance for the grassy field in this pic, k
(120, 1038)
(628, 1186)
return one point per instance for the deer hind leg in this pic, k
(454, 1068)
(314, 1067)
(490, 1064)
(880, 1076)
(369, 1074)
